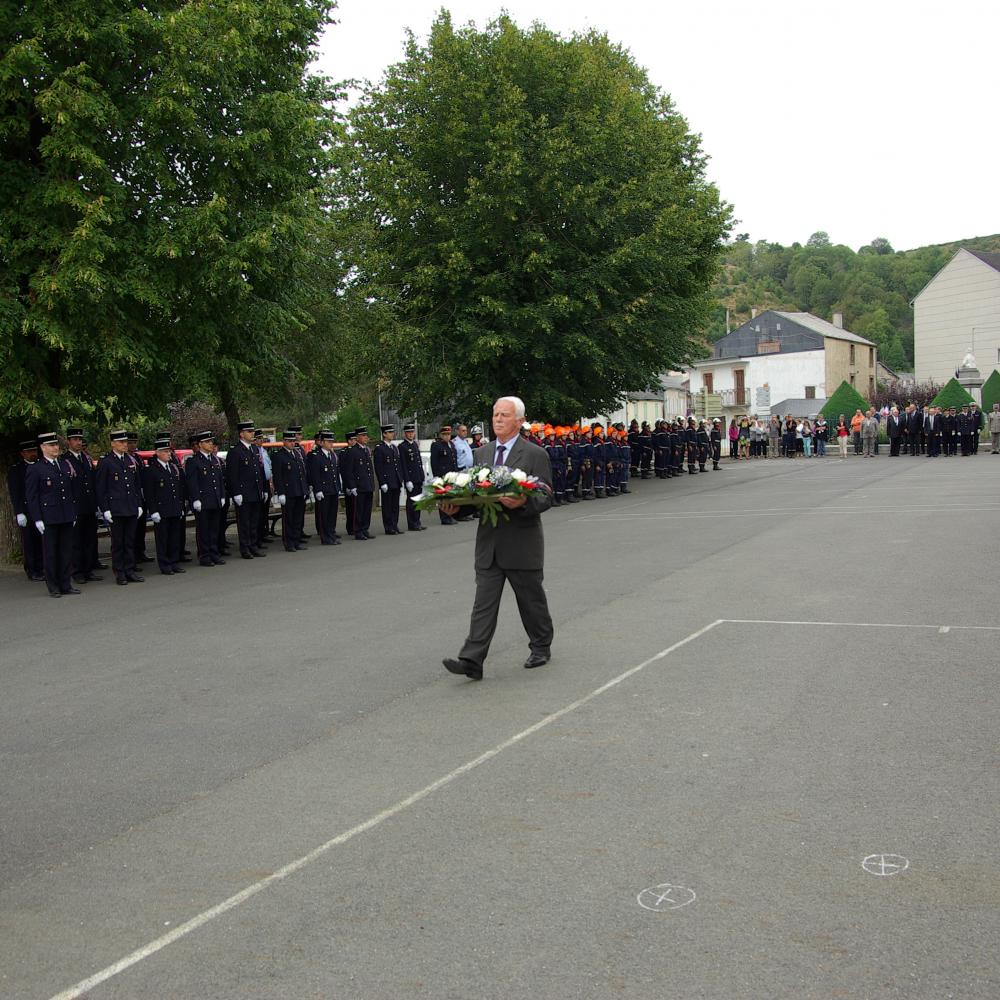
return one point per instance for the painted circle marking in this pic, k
(665, 896)
(885, 864)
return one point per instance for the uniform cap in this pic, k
(258, 435)
(161, 443)
(409, 427)
(27, 445)
(326, 436)
(48, 437)
(295, 428)
(132, 436)
(350, 436)
(118, 436)
(585, 429)
(288, 434)
(244, 425)
(204, 436)
(477, 429)
(74, 432)
(526, 426)
(387, 427)
(445, 428)
(360, 430)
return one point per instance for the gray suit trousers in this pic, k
(531, 602)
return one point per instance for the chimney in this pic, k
(838, 320)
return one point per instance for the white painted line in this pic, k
(182, 930)
(853, 511)
(946, 628)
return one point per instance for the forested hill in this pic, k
(872, 287)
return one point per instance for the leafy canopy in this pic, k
(534, 216)
(159, 201)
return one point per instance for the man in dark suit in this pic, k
(323, 473)
(48, 489)
(31, 540)
(119, 499)
(932, 432)
(163, 487)
(205, 484)
(85, 496)
(512, 551)
(291, 486)
(444, 460)
(359, 480)
(413, 471)
(245, 484)
(894, 428)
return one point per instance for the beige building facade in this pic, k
(958, 311)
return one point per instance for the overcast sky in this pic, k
(862, 119)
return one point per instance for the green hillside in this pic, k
(872, 287)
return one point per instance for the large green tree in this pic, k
(533, 214)
(159, 209)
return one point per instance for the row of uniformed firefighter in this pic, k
(60, 499)
(591, 462)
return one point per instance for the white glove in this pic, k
(108, 519)
(239, 499)
(155, 518)
(353, 493)
(197, 506)
(40, 525)
(385, 487)
(409, 487)
(139, 513)
(22, 521)
(320, 495)
(281, 499)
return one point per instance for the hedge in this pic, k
(991, 391)
(952, 395)
(845, 400)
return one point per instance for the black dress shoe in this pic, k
(245, 555)
(186, 559)
(361, 538)
(336, 541)
(219, 562)
(54, 593)
(537, 660)
(177, 569)
(301, 548)
(37, 578)
(167, 572)
(306, 535)
(93, 578)
(100, 565)
(80, 577)
(207, 563)
(135, 578)
(121, 581)
(448, 520)
(459, 666)
(257, 554)
(368, 534)
(73, 590)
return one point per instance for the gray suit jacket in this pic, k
(516, 543)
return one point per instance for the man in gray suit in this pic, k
(513, 551)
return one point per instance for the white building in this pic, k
(958, 310)
(783, 355)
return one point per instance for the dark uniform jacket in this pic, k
(413, 464)
(16, 475)
(323, 472)
(389, 466)
(164, 489)
(84, 483)
(48, 489)
(359, 471)
(894, 425)
(443, 458)
(119, 485)
(205, 480)
(244, 473)
(517, 542)
(288, 470)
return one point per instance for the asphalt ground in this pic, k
(762, 762)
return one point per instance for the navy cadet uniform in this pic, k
(646, 451)
(301, 452)
(661, 450)
(245, 484)
(164, 490)
(85, 497)
(224, 509)
(597, 458)
(413, 475)
(704, 445)
(610, 463)
(291, 485)
(691, 442)
(349, 438)
(549, 445)
(139, 544)
(444, 459)
(323, 474)
(206, 490)
(119, 499)
(265, 503)
(389, 469)
(976, 416)
(31, 540)
(716, 440)
(560, 462)
(586, 464)
(625, 460)
(964, 424)
(48, 491)
(359, 477)
(573, 464)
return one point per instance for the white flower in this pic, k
(462, 479)
(484, 474)
(437, 481)
(518, 476)
(450, 477)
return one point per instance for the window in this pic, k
(739, 387)
(871, 384)
(852, 354)
(810, 392)
(852, 373)
(871, 357)
(709, 379)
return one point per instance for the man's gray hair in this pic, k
(518, 405)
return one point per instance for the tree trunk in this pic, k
(10, 537)
(229, 407)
